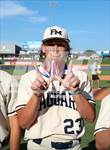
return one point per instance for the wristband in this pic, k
(36, 93)
(77, 91)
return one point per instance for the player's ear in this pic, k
(43, 48)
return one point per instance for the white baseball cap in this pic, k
(55, 32)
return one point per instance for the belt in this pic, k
(56, 145)
(62, 145)
(37, 141)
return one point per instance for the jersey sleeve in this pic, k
(12, 96)
(24, 92)
(103, 121)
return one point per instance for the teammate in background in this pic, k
(95, 71)
(54, 100)
(99, 94)
(8, 118)
(102, 128)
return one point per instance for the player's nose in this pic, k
(56, 47)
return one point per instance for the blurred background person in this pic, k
(94, 70)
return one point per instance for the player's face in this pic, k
(55, 50)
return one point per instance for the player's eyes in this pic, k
(53, 44)
(50, 44)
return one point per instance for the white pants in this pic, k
(46, 145)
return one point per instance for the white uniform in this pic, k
(103, 121)
(93, 68)
(8, 95)
(58, 115)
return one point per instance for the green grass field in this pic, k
(88, 140)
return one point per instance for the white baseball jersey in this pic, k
(58, 114)
(103, 121)
(93, 68)
(8, 95)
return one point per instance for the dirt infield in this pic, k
(104, 77)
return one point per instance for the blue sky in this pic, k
(87, 21)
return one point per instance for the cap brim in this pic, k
(56, 38)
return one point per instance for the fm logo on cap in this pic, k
(54, 31)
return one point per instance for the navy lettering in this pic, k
(55, 98)
(54, 31)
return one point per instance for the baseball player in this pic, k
(8, 118)
(54, 99)
(94, 69)
(102, 128)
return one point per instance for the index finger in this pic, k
(36, 67)
(70, 66)
(50, 79)
(38, 72)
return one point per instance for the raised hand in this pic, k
(70, 82)
(39, 85)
